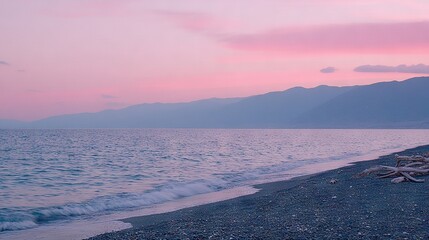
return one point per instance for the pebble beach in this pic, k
(309, 207)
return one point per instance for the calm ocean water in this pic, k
(57, 175)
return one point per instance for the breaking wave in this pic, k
(31, 218)
(10, 226)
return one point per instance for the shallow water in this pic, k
(50, 176)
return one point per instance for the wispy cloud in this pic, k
(192, 21)
(406, 37)
(107, 96)
(328, 70)
(197, 22)
(3, 63)
(358, 38)
(418, 68)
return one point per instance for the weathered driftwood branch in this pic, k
(414, 158)
(406, 168)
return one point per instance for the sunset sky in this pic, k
(70, 56)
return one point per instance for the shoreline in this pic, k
(301, 208)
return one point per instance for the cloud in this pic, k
(3, 63)
(390, 38)
(419, 68)
(328, 70)
(107, 96)
(197, 22)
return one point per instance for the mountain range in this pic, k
(396, 104)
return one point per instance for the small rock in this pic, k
(333, 181)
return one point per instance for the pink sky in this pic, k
(62, 56)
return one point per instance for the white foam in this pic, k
(19, 225)
(80, 229)
(41, 218)
(129, 201)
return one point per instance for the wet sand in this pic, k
(308, 207)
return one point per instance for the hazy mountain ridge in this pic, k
(277, 109)
(156, 115)
(380, 105)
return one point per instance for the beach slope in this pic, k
(307, 207)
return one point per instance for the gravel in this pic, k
(310, 207)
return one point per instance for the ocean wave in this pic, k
(111, 203)
(19, 225)
(160, 194)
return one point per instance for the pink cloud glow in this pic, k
(193, 21)
(370, 38)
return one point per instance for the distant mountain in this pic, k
(196, 114)
(276, 109)
(380, 105)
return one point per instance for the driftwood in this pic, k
(406, 168)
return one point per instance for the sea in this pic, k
(76, 183)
